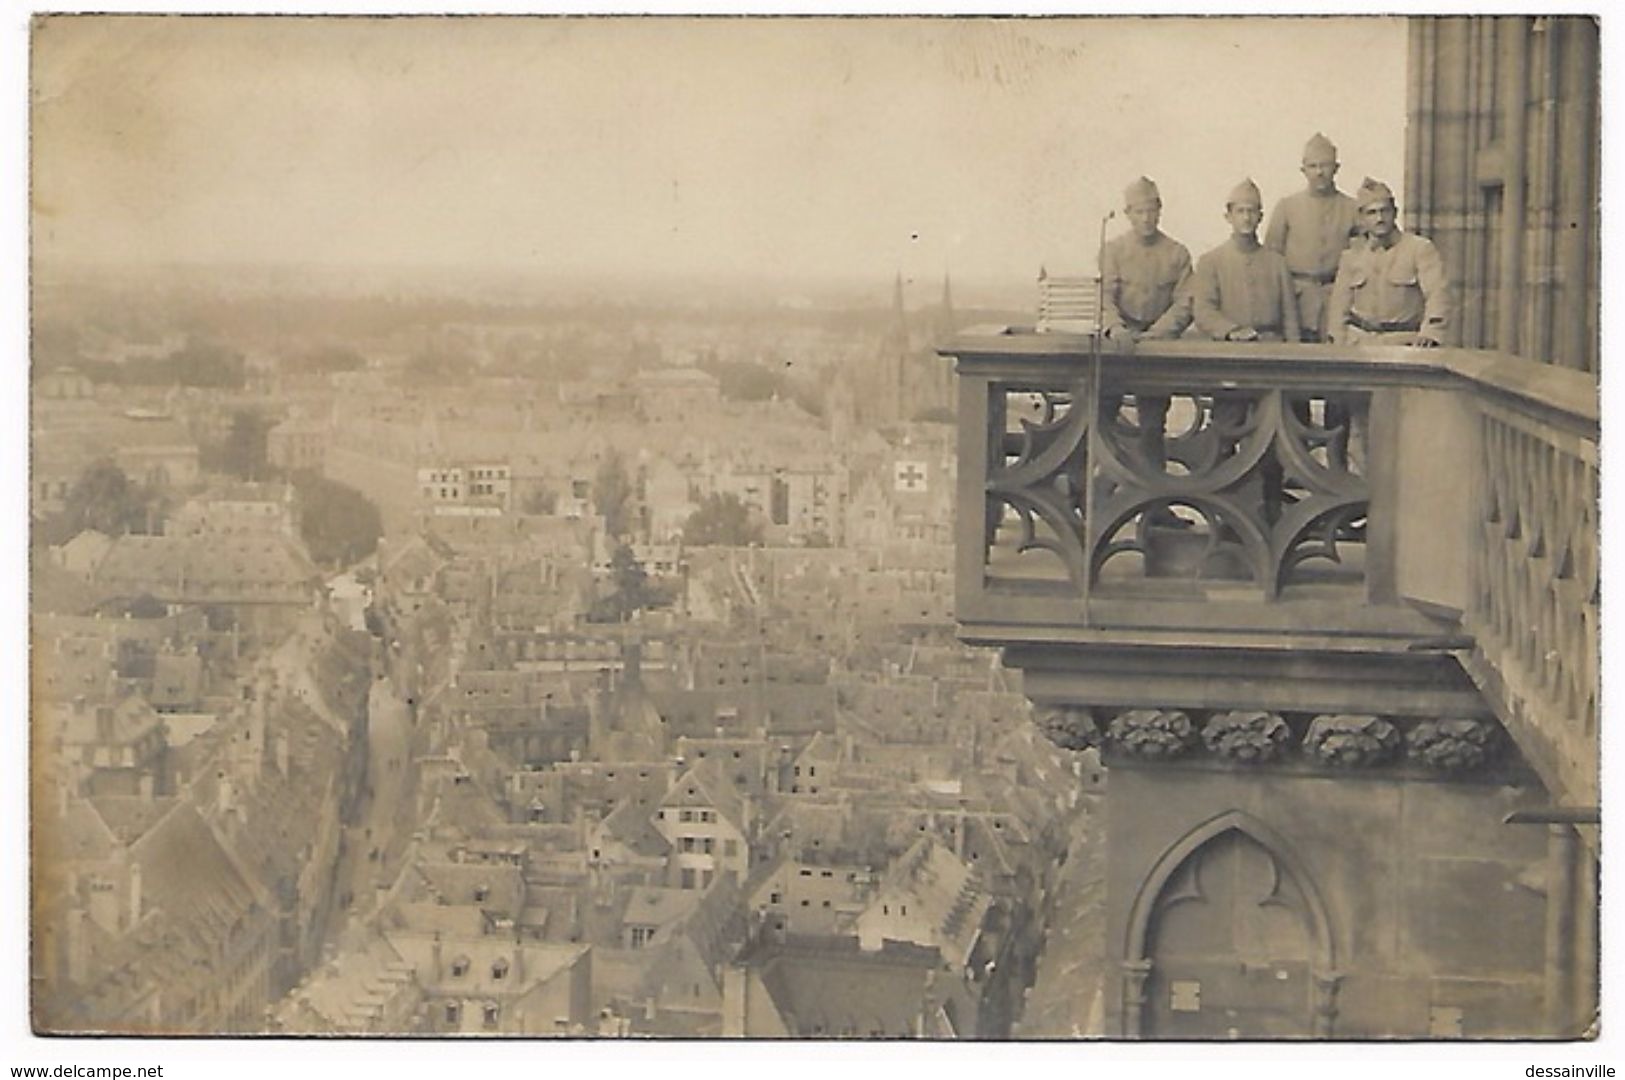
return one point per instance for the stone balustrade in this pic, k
(1373, 504)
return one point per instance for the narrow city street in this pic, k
(373, 843)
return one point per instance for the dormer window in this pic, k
(482, 892)
(459, 967)
(499, 968)
(492, 1013)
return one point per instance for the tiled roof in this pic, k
(631, 824)
(945, 891)
(831, 988)
(78, 833)
(71, 665)
(128, 817)
(53, 589)
(436, 918)
(177, 679)
(126, 721)
(658, 906)
(1073, 966)
(503, 887)
(348, 993)
(227, 567)
(706, 784)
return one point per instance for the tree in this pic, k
(722, 520)
(339, 525)
(198, 363)
(540, 500)
(632, 589)
(105, 499)
(437, 365)
(809, 395)
(612, 494)
(244, 453)
(743, 381)
(325, 360)
(146, 606)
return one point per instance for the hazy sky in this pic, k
(830, 147)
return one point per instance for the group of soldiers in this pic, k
(1330, 269)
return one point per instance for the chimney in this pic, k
(103, 904)
(78, 948)
(735, 996)
(632, 661)
(435, 959)
(104, 723)
(135, 892)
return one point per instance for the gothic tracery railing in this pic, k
(1253, 489)
(1435, 499)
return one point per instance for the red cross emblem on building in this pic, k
(910, 476)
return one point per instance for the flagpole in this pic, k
(1092, 401)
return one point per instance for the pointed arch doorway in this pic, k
(1229, 940)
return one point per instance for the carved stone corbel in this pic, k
(1351, 741)
(1249, 737)
(1070, 727)
(1153, 733)
(1453, 746)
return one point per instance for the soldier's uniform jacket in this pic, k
(1312, 231)
(1145, 287)
(1398, 289)
(1232, 289)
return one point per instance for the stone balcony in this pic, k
(1402, 535)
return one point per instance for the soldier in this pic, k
(1391, 288)
(1145, 294)
(1145, 273)
(1241, 290)
(1311, 229)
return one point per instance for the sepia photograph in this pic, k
(1020, 529)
